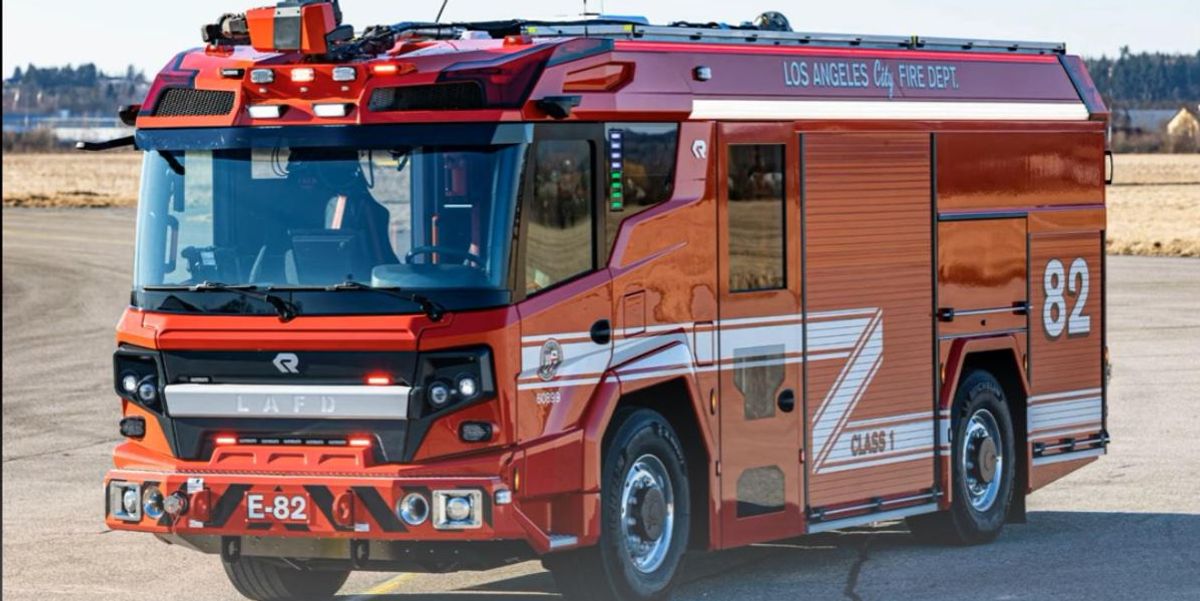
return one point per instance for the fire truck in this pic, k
(449, 296)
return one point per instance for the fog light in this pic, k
(152, 502)
(175, 504)
(475, 431)
(457, 509)
(467, 386)
(129, 383)
(413, 509)
(266, 111)
(337, 109)
(262, 76)
(125, 500)
(344, 73)
(133, 427)
(147, 391)
(439, 394)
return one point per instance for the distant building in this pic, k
(1137, 122)
(1185, 123)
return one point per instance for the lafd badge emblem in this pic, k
(552, 357)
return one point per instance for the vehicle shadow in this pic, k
(1060, 555)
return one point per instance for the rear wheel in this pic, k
(644, 517)
(983, 467)
(265, 579)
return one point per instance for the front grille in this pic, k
(436, 97)
(187, 102)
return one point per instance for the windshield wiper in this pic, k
(432, 309)
(286, 310)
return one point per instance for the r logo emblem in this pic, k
(287, 363)
(700, 149)
(551, 358)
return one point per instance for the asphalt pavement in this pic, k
(1125, 527)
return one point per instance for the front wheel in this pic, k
(983, 467)
(264, 579)
(644, 517)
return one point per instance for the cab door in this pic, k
(760, 341)
(565, 297)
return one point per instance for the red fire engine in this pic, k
(443, 297)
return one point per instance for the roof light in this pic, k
(379, 380)
(337, 109)
(223, 440)
(360, 441)
(266, 111)
(344, 73)
(262, 76)
(303, 74)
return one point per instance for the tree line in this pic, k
(1147, 80)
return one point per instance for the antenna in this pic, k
(440, 11)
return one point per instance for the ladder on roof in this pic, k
(685, 32)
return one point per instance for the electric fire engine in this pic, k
(448, 296)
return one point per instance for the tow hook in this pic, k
(360, 553)
(231, 549)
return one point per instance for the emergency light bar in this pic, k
(307, 26)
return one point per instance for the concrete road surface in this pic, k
(1126, 527)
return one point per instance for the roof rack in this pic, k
(718, 33)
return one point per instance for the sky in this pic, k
(147, 33)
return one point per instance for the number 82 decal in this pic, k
(1059, 284)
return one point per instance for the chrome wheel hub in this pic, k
(647, 513)
(982, 461)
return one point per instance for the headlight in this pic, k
(135, 372)
(450, 378)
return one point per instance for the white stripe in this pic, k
(899, 440)
(849, 387)
(1037, 398)
(876, 109)
(862, 423)
(1065, 413)
(1066, 433)
(866, 464)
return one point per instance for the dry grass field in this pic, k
(1154, 204)
(81, 179)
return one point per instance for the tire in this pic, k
(270, 580)
(977, 512)
(643, 446)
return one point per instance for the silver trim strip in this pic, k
(1060, 457)
(287, 401)
(871, 518)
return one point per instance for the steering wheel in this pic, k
(462, 255)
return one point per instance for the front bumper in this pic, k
(343, 507)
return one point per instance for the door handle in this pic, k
(601, 331)
(787, 400)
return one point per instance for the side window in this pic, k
(558, 244)
(641, 167)
(756, 217)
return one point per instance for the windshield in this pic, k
(424, 218)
